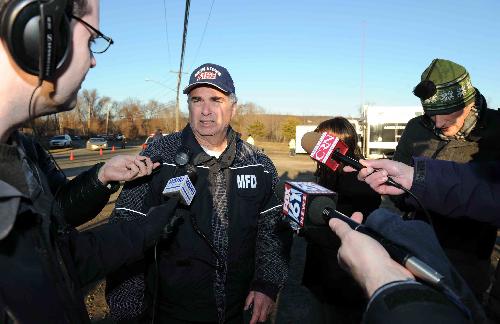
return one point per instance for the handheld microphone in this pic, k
(182, 156)
(181, 188)
(330, 150)
(320, 213)
(297, 196)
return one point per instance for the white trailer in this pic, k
(383, 126)
(300, 130)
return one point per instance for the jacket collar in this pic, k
(199, 156)
(482, 106)
(10, 198)
(28, 154)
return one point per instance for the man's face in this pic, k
(450, 124)
(80, 60)
(210, 112)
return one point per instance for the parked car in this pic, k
(96, 143)
(75, 137)
(60, 141)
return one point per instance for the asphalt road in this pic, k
(84, 159)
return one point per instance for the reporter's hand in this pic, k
(365, 259)
(262, 306)
(126, 168)
(377, 172)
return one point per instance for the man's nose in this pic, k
(440, 121)
(93, 62)
(205, 108)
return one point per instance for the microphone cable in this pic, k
(354, 163)
(393, 183)
(61, 228)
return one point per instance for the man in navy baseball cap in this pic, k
(211, 74)
(235, 206)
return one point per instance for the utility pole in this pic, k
(107, 122)
(89, 122)
(179, 75)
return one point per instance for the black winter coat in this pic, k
(412, 303)
(43, 260)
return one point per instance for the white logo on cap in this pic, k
(207, 72)
(206, 75)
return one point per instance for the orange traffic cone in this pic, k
(113, 148)
(100, 151)
(71, 156)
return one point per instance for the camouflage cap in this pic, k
(452, 89)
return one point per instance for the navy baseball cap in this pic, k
(211, 74)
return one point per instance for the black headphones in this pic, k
(37, 34)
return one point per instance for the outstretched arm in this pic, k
(457, 190)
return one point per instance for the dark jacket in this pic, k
(469, 190)
(43, 260)
(256, 256)
(468, 242)
(322, 274)
(409, 302)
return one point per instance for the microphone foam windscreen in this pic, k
(316, 207)
(309, 141)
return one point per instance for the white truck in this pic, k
(383, 126)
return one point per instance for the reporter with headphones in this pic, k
(46, 50)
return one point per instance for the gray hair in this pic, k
(232, 98)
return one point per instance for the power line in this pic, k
(183, 50)
(166, 30)
(202, 35)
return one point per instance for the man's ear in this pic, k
(233, 109)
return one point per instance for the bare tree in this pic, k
(132, 118)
